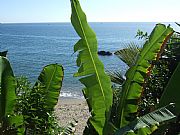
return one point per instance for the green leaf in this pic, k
(16, 119)
(135, 76)
(148, 123)
(50, 80)
(8, 87)
(172, 92)
(98, 90)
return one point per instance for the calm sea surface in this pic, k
(32, 46)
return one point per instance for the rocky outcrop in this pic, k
(104, 53)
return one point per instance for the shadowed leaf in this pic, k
(8, 86)
(146, 124)
(172, 91)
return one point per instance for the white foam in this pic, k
(68, 94)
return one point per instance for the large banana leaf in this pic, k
(50, 80)
(7, 87)
(172, 91)
(135, 76)
(146, 124)
(98, 90)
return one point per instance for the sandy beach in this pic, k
(67, 109)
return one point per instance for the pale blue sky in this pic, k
(22, 11)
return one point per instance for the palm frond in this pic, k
(129, 54)
(116, 77)
(177, 23)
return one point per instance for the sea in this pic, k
(31, 46)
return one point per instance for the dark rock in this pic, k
(104, 53)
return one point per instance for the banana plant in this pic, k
(133, 87)
(98, 92)
(171, 94)
(8, 86)
(148, 123)
(8, 98)
(50, 80)
(172, 91)
(135, 76)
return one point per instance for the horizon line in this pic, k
(92, 22)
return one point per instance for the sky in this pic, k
(29, 11)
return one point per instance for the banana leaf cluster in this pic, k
(99, 99)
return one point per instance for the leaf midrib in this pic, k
(155, 42)
(98, 78)
(49, 83)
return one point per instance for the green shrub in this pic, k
(30, 103)
(25, 109)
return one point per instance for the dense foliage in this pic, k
(127, 104)
(26, 109)
(31, 104)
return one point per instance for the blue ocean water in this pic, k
(32, 46)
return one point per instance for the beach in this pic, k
(68, 109)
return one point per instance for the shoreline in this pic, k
(68, 109)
